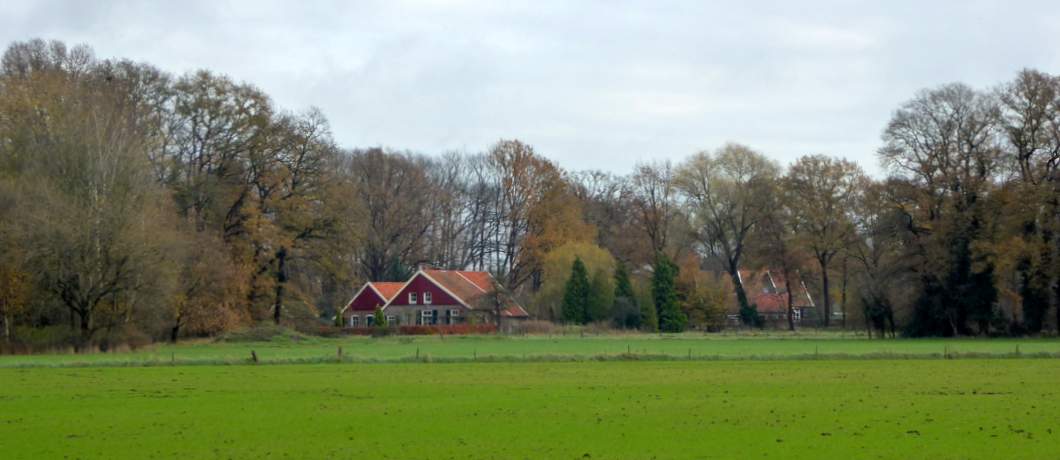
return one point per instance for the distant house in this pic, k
(765, 289)
(360, 310)
(434, 297)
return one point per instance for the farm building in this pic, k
(360, 310)
(433, 297)
(765, 288)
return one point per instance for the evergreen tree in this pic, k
(626, 311)
(601, 297)
(749, 316)
(380, 318)
(664, 291)
(576, 294)
(623, 287)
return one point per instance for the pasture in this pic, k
(778, 409)
(293, 348)
(739, 397)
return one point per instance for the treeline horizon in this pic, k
(139, 206)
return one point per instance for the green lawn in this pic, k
(699, 346)
(700, 409)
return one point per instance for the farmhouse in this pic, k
(433, 297)
(765, 289)
(360, 310)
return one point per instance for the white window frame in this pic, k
(355, 321)
(425, 317)
(427, 297)
(412, 298)
(391, 320)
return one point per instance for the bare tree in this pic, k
(653, 197)
(394, 193)
(727, 195)
(822, 191)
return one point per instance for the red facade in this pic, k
(367, 300)
(420, 284)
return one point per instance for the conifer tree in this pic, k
(576, 294)
(601, 297)
(664, 291)
(626, 311)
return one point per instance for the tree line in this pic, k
(138, 205)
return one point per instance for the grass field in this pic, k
(735, 409)
(467, 348)
(755, 397)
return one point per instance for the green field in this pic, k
(519, 348)
(737, 409)
(754, 397)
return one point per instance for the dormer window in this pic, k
(412, 298)
(427, 298)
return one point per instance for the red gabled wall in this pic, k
(367, 300)
(419, 285)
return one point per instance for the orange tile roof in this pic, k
(771, 303)
(458, 285)
(387, 289)
(482, 280)
(471, 287)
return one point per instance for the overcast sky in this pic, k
(599, 85)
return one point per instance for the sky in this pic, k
(592, 85)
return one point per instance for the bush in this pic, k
(536, 327)
(749, 315)
(25, 339)
(122, 337)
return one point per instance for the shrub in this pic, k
(25, 339)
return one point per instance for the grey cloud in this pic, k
(590, 84)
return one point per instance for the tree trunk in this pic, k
(868, 321)
(791, 302)
(281, 283)
(843, 294)
(741, 295)
(824, 291)
(174, 332)
(7, 327)
(86, 328)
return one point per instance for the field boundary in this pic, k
(256, 360)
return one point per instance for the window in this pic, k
(391, 320)
(412, 298)
(355, 321)
(425, 317)
(369, 320)
(427, 298)
(452, 316)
